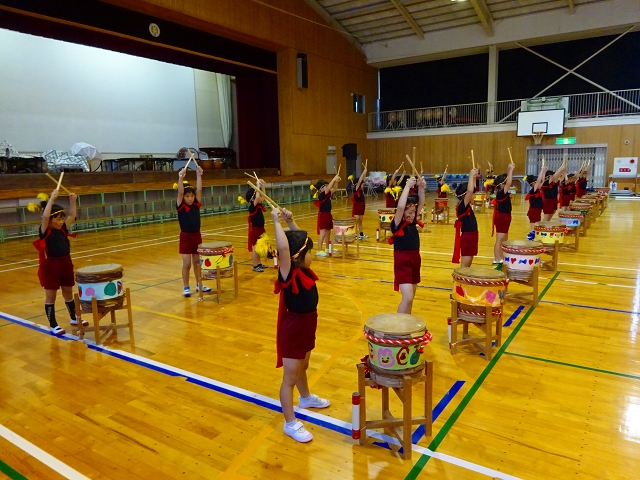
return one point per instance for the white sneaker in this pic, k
(321, 254)
(312, 401)
(298, 432)
(75, 322)
(57, 330)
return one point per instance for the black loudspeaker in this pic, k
(303, 76)
(350, 151)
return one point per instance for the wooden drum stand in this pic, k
(99, 312)
(229, 272)
(400, 428)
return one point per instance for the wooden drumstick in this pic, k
(473, 160)
(413, 167)
(421, 168)
(60, 181)
(56, 181)
(338, 172)
(510, 157)
(401, 165)
(190, 158)
(266, 197)
(414, 155)
(366, 163)
(543, 163)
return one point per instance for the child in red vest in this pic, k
(357, 209)
(297, 320)
(406, 243)
(502, 213)
(55, 269)
(188, 208)
(256, 223)
(536, 200)
(466, 240)
(325, 219)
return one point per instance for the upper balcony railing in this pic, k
(583, 105)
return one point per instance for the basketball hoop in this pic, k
(537, 137)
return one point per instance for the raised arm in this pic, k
(199, 172)
(288, 217)
(402, 203)
(257, 198)
(332, 184)
(556, 176)
(361, 179)
(393, 181)
(471, 185)
(47, 211)
(540, 179)
(73, 210)
(181, 175)
(509, 181)
(422, 184)
(282, 244)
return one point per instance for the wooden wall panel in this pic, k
(455, 150)
(323, 112)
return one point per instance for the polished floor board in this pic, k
(562, 400)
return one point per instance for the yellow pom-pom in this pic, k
(32, 207)
(387, 190)
(175, 186)
(315, 195)
(438, 175)
(241, 200)
(43, 197)
(312, 188)
(185, 182)
(263, 245)
(350, 177)
(445, 188)
(488, 183)
(397, 190)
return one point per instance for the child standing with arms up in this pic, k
(188, 208)
(536, 200)
(55, 269)
(297, 320)
(502, 213)
(357, 209)
(466, 224)
(325, 219)
(256, 223)
(406, 243)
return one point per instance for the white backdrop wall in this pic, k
(54, 94)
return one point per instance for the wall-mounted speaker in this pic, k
(303, 76)
(350, 151)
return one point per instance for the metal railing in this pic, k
(582, 105)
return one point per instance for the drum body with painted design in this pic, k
(104, 282)
(214, 255)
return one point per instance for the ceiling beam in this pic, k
(485, 15)
(331, 21)
(572, 7)
(407, 16)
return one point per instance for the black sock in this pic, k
(50, 310)
(361, 234)
(71, 306)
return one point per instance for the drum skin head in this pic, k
(521, 244)
(344, 222)
(396, 324)
(215, 245)
(480, 273)
(105, 268)
(550, 224)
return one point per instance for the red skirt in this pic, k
(56, 272)
(469, 244)
(390, 202)
(297, 334)
(550, 206)
(325, 221)
(189, 243)
(406, 267)
(502, 222)
(357, 208)
(254, 235)
(534, 214)
(565, 200)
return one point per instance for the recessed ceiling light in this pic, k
(456, 1)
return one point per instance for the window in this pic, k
(358, 102)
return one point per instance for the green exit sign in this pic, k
(566, 141)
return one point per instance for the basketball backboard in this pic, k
(549, 122)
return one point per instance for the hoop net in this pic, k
(537, 137)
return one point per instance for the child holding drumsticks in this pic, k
(188, 208)
(55, 269)
(406, 243)
(297, 320)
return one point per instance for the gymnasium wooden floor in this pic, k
(561, 399)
